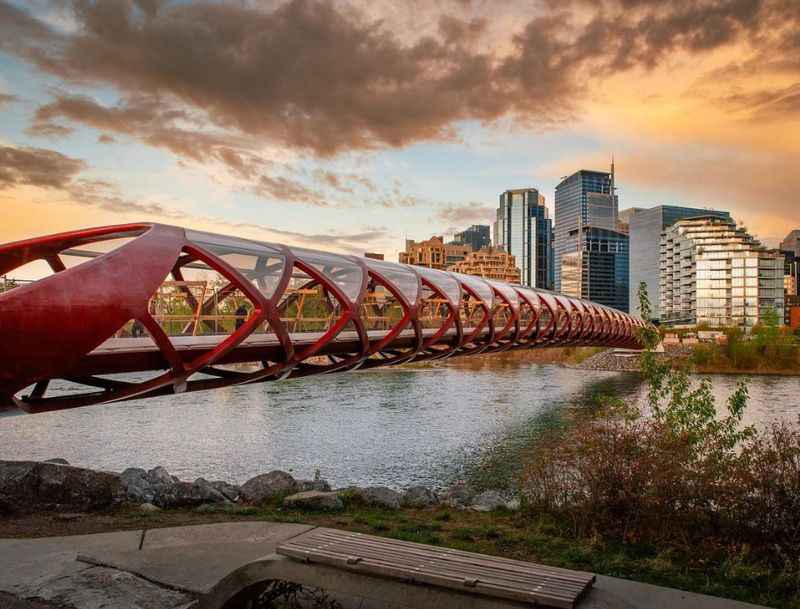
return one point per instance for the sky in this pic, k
(352, 125)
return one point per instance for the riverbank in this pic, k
(83, 502)
(498, 533)
(694, 359)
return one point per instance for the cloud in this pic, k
(285, 189)
(466, 213)
(766, 104)
(351, 242)
(346, 183)
(158, 124)
(51, 170)
(323, 77)
(105, 138)
(58, 173)
(7, 99)
(149, 118)
(37, 167)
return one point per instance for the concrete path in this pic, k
(171, 568)
(193, 559)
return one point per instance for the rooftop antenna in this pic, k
(613, 187)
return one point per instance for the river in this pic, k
(395, 427)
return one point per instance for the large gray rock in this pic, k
(313, 500)
(57, 461)
(458, 496)
(136, 486)
(488, 501)
(230, 491)
(419, 497)
(379, 496)
(268, 486)
(188, 494)
(313, 485)
(35, 486)
(102, 588)
(159, 475)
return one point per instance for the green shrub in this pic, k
(688, 473)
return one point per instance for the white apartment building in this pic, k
(713, 272)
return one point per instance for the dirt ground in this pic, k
(52, 525)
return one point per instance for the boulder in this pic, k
(313, 485)
(57, 461)
(149, 508)
(380, 496)
(268, 486)
(230, 491)
(419, 497)
(159, 475)
(188, 494)
(488, 501)
(36, 486)
(458, 496)
(136, 486)
(313, 500)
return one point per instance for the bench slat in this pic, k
(453, 569)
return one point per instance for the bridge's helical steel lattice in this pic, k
(181, 310)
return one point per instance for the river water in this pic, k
(395, 427)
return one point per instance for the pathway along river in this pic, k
(395, 427)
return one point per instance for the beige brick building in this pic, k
(433, 253)
(489, 263)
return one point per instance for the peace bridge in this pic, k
(182, 310)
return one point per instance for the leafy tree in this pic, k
(688, 411)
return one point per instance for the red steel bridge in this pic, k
(182, 310)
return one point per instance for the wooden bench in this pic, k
(453, 569)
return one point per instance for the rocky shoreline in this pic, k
(57, 486)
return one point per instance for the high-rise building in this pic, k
(624, 218)
(598, 269)
(524, 230)
(792, 243)
(455, 252)
(586, 198)
(433, 253)
(489, 263)
(645, 228)
(714, 272)
(791, 282)
(477, 236)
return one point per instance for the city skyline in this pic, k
(389, 118)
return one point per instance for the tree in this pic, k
(689, 411)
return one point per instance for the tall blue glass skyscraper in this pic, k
(583, 199)
(591, 254)
(525, 230)
(598, 269)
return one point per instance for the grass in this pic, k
(708, 569)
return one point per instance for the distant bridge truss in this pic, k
(182, 310)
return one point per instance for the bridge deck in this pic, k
(207, 341)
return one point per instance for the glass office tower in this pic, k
(645, 228)
(598, 269)
(525, 230)
(477, 236)
(586, 198)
